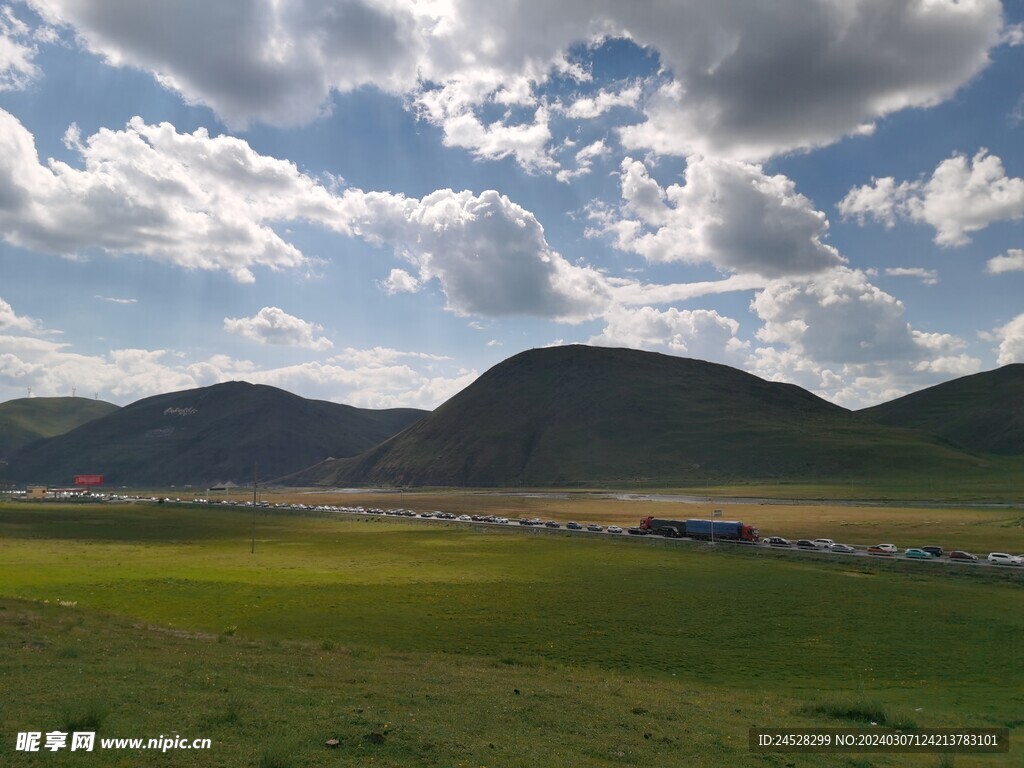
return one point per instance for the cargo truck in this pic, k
(727, 530)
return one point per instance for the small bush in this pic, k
(275, 756)
(861, 712)
(89, 716)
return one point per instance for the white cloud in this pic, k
(962, 196)
(735, 90)
(701, 333)
(115, 300)
(202, 202)
(585, 160)
(453, 111)
(17, 54)
(927, 276)
(1011, 341)
(1011, 261)
(400, 281)
(372, 378)
(489, 255)
(844, 338)
(10, 320)
(1013, 35)
(589, 107)
(729, 214)
(53, 369)
(274, 326)
(187, 199)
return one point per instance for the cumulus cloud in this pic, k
(962, 195)
(10, 320)
(400, 281)
(841, 336)
(733, 89)
(1011, 261)
(926, 276)
(454, 111)
(275, 326)
(371, 378)
(203, 202)
(17, 53)
(489, 255)
(590, 107)
(1013, 35)
(728, 213)
(751, 82)
(585, 160)
(193, 200)
(701, 333)
(1011, 341)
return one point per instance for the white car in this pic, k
(614, 529)
(890, 549)
(1001, 558)
(464, 518)
(823, 543)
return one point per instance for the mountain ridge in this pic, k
(219, 433)
(597, 416)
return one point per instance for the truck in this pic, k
(726, 530)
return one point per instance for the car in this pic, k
(842, 548)
(574, 526)
(1001, 558)
(464, 518)
(892, 549)
(614, 529)
(805, 544)
(880, 549)
(552, 524)
(914, 553)
(777, 541)
(595, 527)
(637, 531)
(524, 521)
(934, 551)
(958, 554)
(823, 543)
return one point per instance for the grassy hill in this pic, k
(208, 435)
(982, 412)
(605, 417)
(31, 418)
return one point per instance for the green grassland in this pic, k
(430, 644)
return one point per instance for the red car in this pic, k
(957, 554)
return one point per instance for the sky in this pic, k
(374, 201)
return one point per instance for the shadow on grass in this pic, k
(860, 713)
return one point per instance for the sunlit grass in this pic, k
(338, 627)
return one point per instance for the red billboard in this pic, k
(88, 479)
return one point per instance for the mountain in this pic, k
(208, 435)
(599, 416)
(31, 418)
(982, 412)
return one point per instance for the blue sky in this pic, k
(374, 201)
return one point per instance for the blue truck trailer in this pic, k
(727, 530)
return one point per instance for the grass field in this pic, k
(430, 644)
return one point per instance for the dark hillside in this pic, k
(598, 416)
(202, 436)
(982, 412)
(31, 418)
